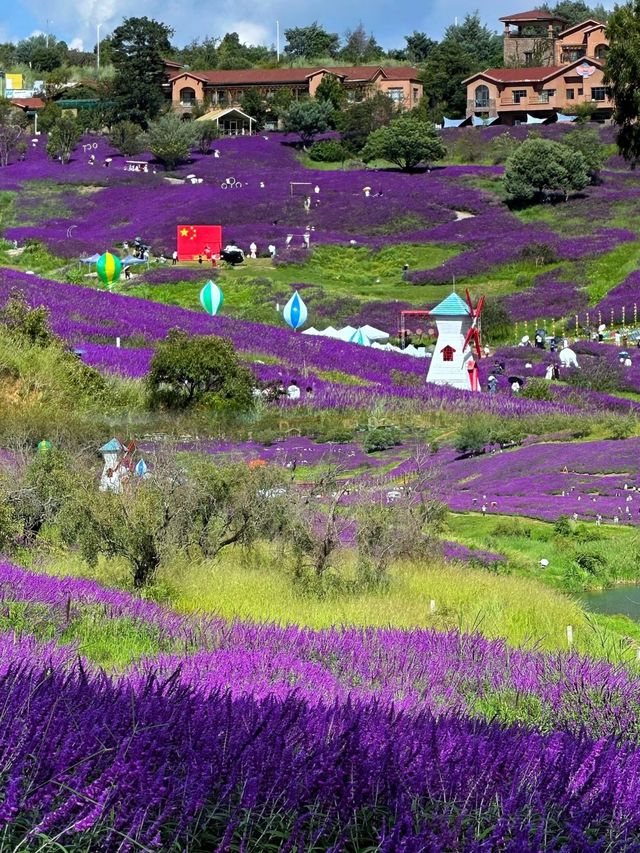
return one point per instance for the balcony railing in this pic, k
(482, 105)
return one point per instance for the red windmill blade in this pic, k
(474, 330)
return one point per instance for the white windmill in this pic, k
(452, 362)
(117, 465)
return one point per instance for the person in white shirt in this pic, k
(293, 391)
(253, 249)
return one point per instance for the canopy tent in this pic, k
(311, 331)
(375, 334)
(92, 260)
(533, 120)
(561, 117)
(346, 333)
(452, 122)
(478, 121)
(131, 259)
(358, 337)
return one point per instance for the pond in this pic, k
(620, 599)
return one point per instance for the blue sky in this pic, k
(75, 20)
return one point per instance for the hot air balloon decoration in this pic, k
(108, 267)
(211, 298)
(44, 446)
(295, 312)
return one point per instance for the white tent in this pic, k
(533, 120)
(92, 260)
(346, 333)
(375, 334)
(311, 331)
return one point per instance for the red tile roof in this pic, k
(531, 75)
(254, 76)
(28, 103)
(589, 24)
(533, 15)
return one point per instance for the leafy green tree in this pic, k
(360, 47)
(41, 52)
(331, 90)
(138, 48)
(308, 119)
(419, 46)
(587, 142)
(360, 120)
(311, 42)
(576, 11)
(622, 74)
(50, 115)
(205, 133)
(447, 66)
(502, 147)
(541, 167)
(253, 104)
(405, 142)
(126, 137)
(30, 325)
(232, 54)
(200, 55)
(483, 45)
(63, 138)
(170, 139)
(189, 370)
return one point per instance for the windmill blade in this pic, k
(469, 302)
(479, 306)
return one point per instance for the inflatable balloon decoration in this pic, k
(295, 312)
(109, 268)
(211, 298)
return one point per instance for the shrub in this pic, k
(63, 138)
(600, 376)
(540, 253)
(502, 147)
(30, 324)
(126, 137)
(328, 151)
(540, 168)
(205, 133)
(170, 139)
(537, 389)
(185, 371)
(381, 438)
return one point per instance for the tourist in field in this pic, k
(127, 272)
(309, 391)
(293, 391)
(253, 250)
(549, 373)
(272, 253)
(174, 258)
(492, 384)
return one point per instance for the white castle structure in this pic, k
(452, 362)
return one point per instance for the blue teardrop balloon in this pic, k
(295, 312)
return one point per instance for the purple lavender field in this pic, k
(202, 713)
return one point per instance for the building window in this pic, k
(580, 91)
(598, 93)
(528, 57)
(570, 94)
(574, 54)
(447, 353)
(416, 94)
(601, 51)
(396, 95)
(187, 97)
(482, 97)
(519, 95)
(545, 94)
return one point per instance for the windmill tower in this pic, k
(117, 465)
(453, 361)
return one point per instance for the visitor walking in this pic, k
(174, 258)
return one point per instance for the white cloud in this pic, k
(250, 32)
(76, 44)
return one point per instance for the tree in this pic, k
(311, 42)
(200, 55)
(541, 167)
(483, 45)
(576, 11)
(360, 47)
(205, 133)
(10, 130)
(232, 54)
(185, 371)
(308, 119)
(331, 90)
(63, 138)
(41, 52)
(405, 142)
(502, 147)
(419, 46)
(447, 66)
(253, 105)
(126, 137)
(198, 510)
(587, 142)
(170, 139)
(360, 120)
(138, 48)
(622, 74)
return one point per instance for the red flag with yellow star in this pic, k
(198, 240)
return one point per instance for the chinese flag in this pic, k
(194, 240)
